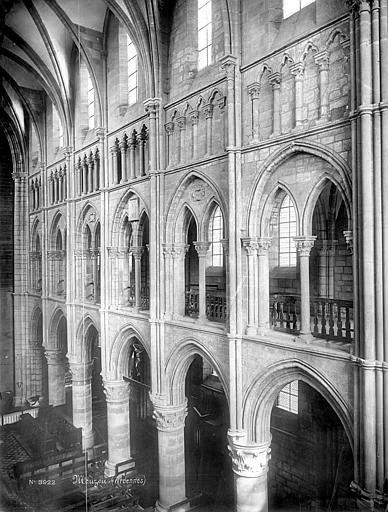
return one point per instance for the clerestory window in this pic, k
(287, 232)
(91, 113)
(204, 33)
(216, 229)
(132, 71)
(290, 7)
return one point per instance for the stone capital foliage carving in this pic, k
(169, 127)
(250, 245)
(228, 64)
(116, 391)
(81, 372)
(304, 244)
(194, 117)
(359, 5)
(19, 176)
(297, 70)
(208, 110)
(170, 418)
(263, 244)
(254, 90)
(181, 122)
(152, 105)
(137, 252)
(180, 250)
(168, 250)
(322, 60)
(250, 460)
(274, 79)
(56, 255)
(202, 248)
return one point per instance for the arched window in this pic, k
(204, 33)
(90, 103)
(288, 397)
(287, 230)
(215, 236)
(290, 7)
(132, 71)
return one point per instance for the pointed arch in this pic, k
(120, 214)
(262, 392)
(178, 363)
(82, 352)
(341, 173)
(120, 351)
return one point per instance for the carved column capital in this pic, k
(168, 250)
(228, 65)
(208, 110)
(181, 122)
(254, 90)
(116, 391)
(263, 245)
(250, 245)
(100, 133)
(169, 127)
(170, 418)
(304, 244)
(249, 460)
(274, 80)
(180, 250)
(113, 150)
(297, 70)
(202, 248)
(152, 105)
(19, 176)
(322, 60)
(194, 117)
(137, 252)
(81, 372)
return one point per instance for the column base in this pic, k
(110, 467)
(366, 500)
(306, 337)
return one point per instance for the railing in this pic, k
(333, 319)
(216, 306)
(145, 298)
(14, 417)
(330, 319)
(192, 302)
(216, 309)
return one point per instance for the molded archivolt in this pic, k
(338, 172)
(121, 350)
(178, 363)
(57, 224)
(55, 321)
(81, 352)
(198, 194)
(36, 324)
(88, 217)
(120, 215)
(260, 397)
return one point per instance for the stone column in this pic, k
(85, 176)
(137, 253)
(331, 267)
(82, 401)
(250, 468)
(298, 71)
(169, 130)
(250, 246)
(123, 151)
(254, 93)
(36, 352)
(170, 422)
(208, 111)
(202, 249)
(114, 166)
(141, 143)
(56, 376)
(322, 270)
(322, 60)
(194, 118)
(168, 250)
(178, 305)
(131, 148)
(263, 245)
(79, 178)
(181, 122)
(119, 443)
(274, 80)
(304, 244)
